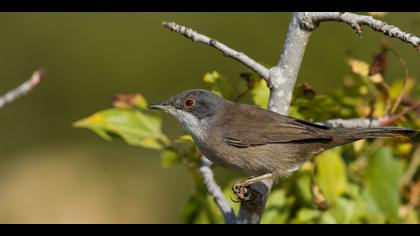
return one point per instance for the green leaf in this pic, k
(193, 211)
(169, 158)
(218, 84)
(294, 112)
(383, 175)
(344, 211)
(316, 106)
(412, 217)
(302, 187)
(260, 93)
(186, 149)
(201, 209)
(372, 212)
(213, 211)
(331, 174)
(133, 126)
(307, 216)
(327, 218)
(278, 208)
(397, 86)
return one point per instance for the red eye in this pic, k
(189, 103)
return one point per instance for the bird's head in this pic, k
(195, 109)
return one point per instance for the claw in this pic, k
(239, 188)
(235, 200)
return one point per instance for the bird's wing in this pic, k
(252, 126)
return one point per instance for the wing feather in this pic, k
(251, 126)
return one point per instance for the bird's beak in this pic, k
(162, 106)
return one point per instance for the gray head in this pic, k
(195, 109)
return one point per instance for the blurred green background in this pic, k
(53, 173)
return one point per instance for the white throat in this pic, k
(192, 125)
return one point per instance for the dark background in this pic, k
(53, 173)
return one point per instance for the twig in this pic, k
(366, 122)
(398, 116)
(318, 197)
(22, 89)
(405, 81)
(215, 191)
(312, 19)
(227, 51)
(353, 123)
(412, 168)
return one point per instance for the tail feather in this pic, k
(347, 135)
(383, 132)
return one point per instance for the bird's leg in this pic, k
(256, 179)
(239, 188)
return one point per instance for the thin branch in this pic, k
(227, 51)
(22, 89)
(403, 113)
(412, 168)
(368, 123)
(312, 19)
(318, 197)
(405, 81)
(215, 191)
(353, 123)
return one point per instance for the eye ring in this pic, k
(189, 103)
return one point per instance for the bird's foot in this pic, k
(247, 195)
(241, 191)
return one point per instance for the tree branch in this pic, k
(283, 76)
(311, 20)
(227, 51)
(22, 89)
(215, 191)
(354, 123)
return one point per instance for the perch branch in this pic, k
(282, 81)
(227, 51)
(22, 89)
(215, 191)
(284, 75)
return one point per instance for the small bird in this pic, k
(257, 142)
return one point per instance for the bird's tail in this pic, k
(347, 135)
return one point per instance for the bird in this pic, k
(256, 142)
